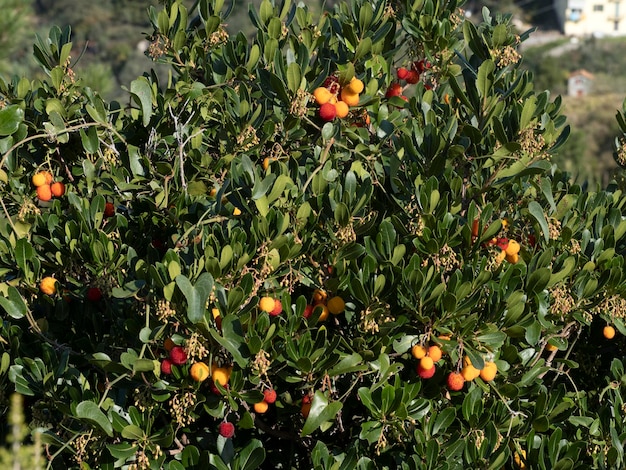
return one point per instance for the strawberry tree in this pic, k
(339, 243)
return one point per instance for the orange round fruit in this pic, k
(199, 371)
(266, 163)
(418, 351)
(48, 285)
(236, 211)
(427, 363)
(42, 177)
(44, 193)
(261, 407)
(435, 353)
(455, 381)
(220, 375)
(488, 373)
(306, 406)
(57, 189)
(342, 109)
(470, 372)
(355, 86)
(512, 248)
(267, 304)
(324, 311)
(513, 259)
(351, 99)
(319, 296)
(336, 305)
(500, 256)
(608, 332)
(551, 347)
(322, 95)
(520, 459)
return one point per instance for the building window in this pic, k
(598, 8)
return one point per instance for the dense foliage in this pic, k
(338, 244)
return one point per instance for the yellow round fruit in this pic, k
(267, 304)
(351, 99)
(500, 256)
(551, 347)
(236, 211)
(488, 373)
(427, 363)
(520, 459)
(220, 375)
(418, 351)
(336, 305)
(39, 178)
(215, 312)
(322, 95)
(342, 109)
(48, 285)
(608, 332)
(261, 407)
(356, 85)
(199, 371)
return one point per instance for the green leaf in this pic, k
(141, 91)
(14, 304)
(485, 78)
(321, 412)
(89, 411)
(196, 295)
(10, 119)
(294, 77)
(536, 211)
(232, 339)
(252, 456)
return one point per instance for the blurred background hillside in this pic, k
(109, 35)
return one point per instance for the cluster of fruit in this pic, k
(269, 397)
(335, 100)
(411, 76)
(429, 356)
(324, 305)
(46, 187)
(509, 248)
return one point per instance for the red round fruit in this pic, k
(94, 294)
(109, 209)
(269, 395)
(166, 366)
(502, 243)
(426, 373)
(278, 308)
(402, 73)
(227, 429)
(308, 311)
(328, 111)
(412, 77)
(178, 355)
(455, 381)
(395, 89)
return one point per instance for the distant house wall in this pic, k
(587, 17)
(579, 83)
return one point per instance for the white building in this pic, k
(591, 17)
